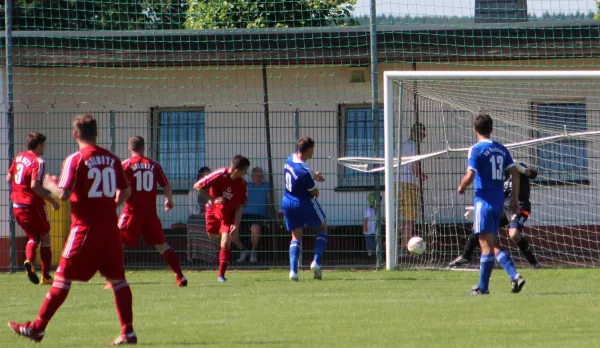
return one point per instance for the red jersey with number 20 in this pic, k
(144, 175)
(234, 193)
(93, 175)
(27, 166)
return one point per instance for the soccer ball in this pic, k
(416, 246)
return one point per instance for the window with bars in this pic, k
(180, 144)
(564, 162)
(358, 138)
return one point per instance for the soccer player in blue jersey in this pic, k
(487, 162)
(300, 207)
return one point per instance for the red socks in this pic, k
(46, 256)
(224, 257)
(54, 299)
(124, 303)
(171, 259)
(30, 250)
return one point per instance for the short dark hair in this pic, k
(34, 139)
(483, 124)
(305, 144)
(240, 162)
(136, 143)
(202, 170)
(417, 126)
(86, 127)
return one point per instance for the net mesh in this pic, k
(202, 80)
(563, 225)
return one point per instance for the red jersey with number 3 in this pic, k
(93, 175)
(145, 176)
(234, 193)
(27, 166)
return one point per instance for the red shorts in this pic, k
(33, 220)
(92, 248)
(215, 225)
(133, 227)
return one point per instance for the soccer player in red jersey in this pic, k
(139, 217)
(226, 192)
(94, 181)
(27, 195)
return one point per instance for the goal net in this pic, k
(550, 122)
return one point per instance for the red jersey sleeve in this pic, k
(160, 176)
(68, 172)
(37, 169)
(122, 182)
(211, 179)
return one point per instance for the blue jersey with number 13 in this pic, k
(489, 159)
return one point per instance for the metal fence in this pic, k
(185, 139)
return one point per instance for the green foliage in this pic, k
(222, 14)
(97, 15)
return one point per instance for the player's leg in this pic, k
(26, 219)
(316, 218)
(408, 212)
(465, 257)
(45, 245)
(507, 263)
(154, 235)
(295, 250)
(483, 227)
(255, 231)
(515, 232)
(111, 266)
(225, 253)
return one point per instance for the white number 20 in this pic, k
(497, 167)
(105, 178)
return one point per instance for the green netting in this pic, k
(239, 65)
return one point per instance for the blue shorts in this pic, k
(299, 214)
(486, 217)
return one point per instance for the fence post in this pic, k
(375, 117)
(10, 126)
(113, 138)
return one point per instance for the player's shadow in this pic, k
(212, 343)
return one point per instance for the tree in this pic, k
(234, 14)
(97, 14)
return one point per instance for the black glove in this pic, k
(533, 174)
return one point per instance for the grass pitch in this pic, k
(557, 308)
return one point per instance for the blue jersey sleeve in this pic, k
(508, 161)
(473, 157)
(307, 181)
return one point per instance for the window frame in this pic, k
(177, 185)
(535, 134)
(359, 183)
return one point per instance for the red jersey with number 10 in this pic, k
(93, 175)
(234, 193)
(27, 166)
(144, 175)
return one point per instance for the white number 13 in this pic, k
(497, 166)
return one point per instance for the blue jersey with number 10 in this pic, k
(298, 180)
(489, 160)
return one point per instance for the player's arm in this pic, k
(50, 184)
(466, 181)
(516, 185)
(237, 217)
(203, 186)
(161, 179)
(365, 225)
(9, 175)
(38, 188)
(531, 173)
(123, 188)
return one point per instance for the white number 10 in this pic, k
(497, 166)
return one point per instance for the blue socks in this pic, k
(320, 245)
(486, 265)
(294, 255)
(508, 264)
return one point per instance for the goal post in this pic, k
(528, 107)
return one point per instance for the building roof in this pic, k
(314, 46)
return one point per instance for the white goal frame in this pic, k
(388, 125)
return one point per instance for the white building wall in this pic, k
(64, 92)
